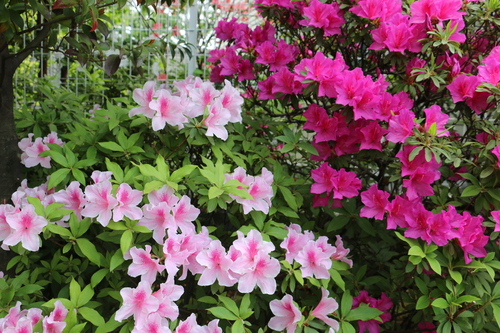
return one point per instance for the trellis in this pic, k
(194, 24)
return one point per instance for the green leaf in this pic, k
(456, 276)
(57, 177)
(466, 299)
(214, 192)
(416, 251)
(345, 304)
(207, 299)
(28, 289)
(98, 276)
(496, 313)
(89, 250)
(423, 302)
(471, 191)
(337, 278)
(222, 313)
(363, 312)
(116, 260)
(347, 327)
(245, 304)
(111, 146)
(289, 197)
(230, 304)
(182, 172)
(57, 229)
(74, 291)
(77, 328)
(436, 267)
(92, 315)
(440, 303)
(237, 327)
(85, 296)
(126, 241)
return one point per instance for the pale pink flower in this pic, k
(168, 109)
(218, 117)
(26, 226)
(168, 293)
(341, 252)
(100, 202)
(143, 265)
(164, 194)
(184, 214)
(231, 100)
(217, 266)
(55, 323)
(143, 97)
(153, 324)
(314, 262)
(188, 325)
(53, 138)
(287, 314)
(157, 218)
(212, 327)
(137, 302)
(325, 307)
(100, 176)
(202, 97)
(128, 199)
(72, 198)
(31, 158)
(295, 241)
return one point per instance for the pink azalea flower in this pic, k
(373, 9)
(218, 117)
(26, 225)
(397, 210)
(436, 11)
(187, 326)
(325, 307)
(143, 265)
(261, 274)
(401, 126)
(341, 252)
(463, 87)
(184, 214)
(375, 202)
(231, 100)
(202, 97)
(168, 293)
(217, 266)
(346, 185)
(55, 323)
(143, 97)
(496, 151)
(158, 219)
(153, 324)
(295, 241)
(165, 194)
(372, 136)
(286, 314)
(434, 115)
(212, 327)
(31, 158)
(169, 110)
(100, 202)
(137, 302)
(329, 17)
(100, 176)
(324, 178)
(496, 217)
(128, 199)
(314, 262)
(53, 138)
(5, 229)
(72, 198)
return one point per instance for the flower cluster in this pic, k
(18, 320)
(314, 256)
(32, 149)
(194, 98)
(259, 188)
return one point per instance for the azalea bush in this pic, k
(338, 174)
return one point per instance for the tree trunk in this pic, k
(11, 169)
